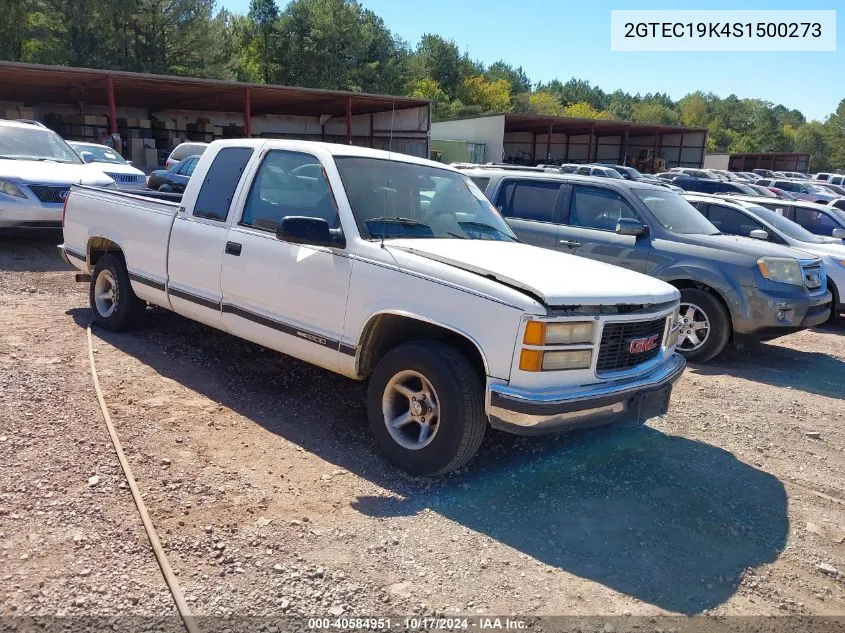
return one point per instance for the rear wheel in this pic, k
(705, 326)
(165, 189)
(426, 408)
(112, 300)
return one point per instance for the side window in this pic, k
(839, 204)
(597, 208)
(731, 221)
(529, 200)
(183, 168)
(817, 222)
(284, 186)
(837, 180)
(481, 182)
(583, 171)
(189, 168)
(220, 182)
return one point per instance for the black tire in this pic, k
(720, 325)
(165, 189)
(834, 313)
(126, 306)
(460, 394)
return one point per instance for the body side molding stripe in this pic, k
(146, 281)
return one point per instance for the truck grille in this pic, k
(813, 276)
(125, 179)
(615, 349)
(50, 194)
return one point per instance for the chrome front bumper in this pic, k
(636, 399)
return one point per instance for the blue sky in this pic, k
(566, 38)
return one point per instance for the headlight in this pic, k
(11, 189)
(841, 262)
(540, 333)
(674, 326)
(783, 270)
(537, 360)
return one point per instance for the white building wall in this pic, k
(488, 130)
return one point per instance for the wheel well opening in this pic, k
(682, 284)
(99, 246)
(386, 331)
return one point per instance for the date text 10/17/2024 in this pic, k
(418, 623)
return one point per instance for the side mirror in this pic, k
(840, 233)
(629, 226)
(87, 157)
(313, 231)
(759, 234)
(128, 162)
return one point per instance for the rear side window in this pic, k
(529, 200)
(817, 222)
(836, 180)
(220, 182)
(481, 182)
(187, 167)
(186, 149)
(285, 186)
(731, 221)
(598, 208)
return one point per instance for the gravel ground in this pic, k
(270, 499)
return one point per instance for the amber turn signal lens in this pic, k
(531, 360)
(535, 333)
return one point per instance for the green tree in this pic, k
(584, 110)
(543, 102)
(516, 77)
(337, 44)
(811, 138)
(264, 14)
(440, 60)
(693, 110)
(654, 112)
(491, 96)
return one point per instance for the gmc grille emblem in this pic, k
(645, 344)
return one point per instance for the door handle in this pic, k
(570, 243)
(233, 248)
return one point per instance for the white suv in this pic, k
(37, 168)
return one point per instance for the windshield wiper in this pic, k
(482, 226)
(398, 220)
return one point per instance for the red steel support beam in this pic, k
(703, 149)
(566, 150)
(534, 149)
(656, 143)
(681, 153)
(590, 143)
(349, 120)
(112, 106)
(623, 148)
(549, 141)
(247, 113)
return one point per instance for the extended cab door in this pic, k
(198, 239)
(285, 296)
(588, 228)
(531, 207)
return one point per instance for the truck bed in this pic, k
(138, 221)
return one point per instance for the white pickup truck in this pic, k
(385, 267)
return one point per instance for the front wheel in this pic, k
(165, 189)
(426, 408)
(705, 326)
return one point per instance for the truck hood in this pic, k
(45, 172)
(554, 278)
(745, 246)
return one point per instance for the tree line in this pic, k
(338, 44)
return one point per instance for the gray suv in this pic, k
(732, 288)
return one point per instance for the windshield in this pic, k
(675, 213)
(393, 199)
(762, 191)
(633, 173)
(36, 143)
(101, 153)
(612, 173)
(785, 225)
(821, 189)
